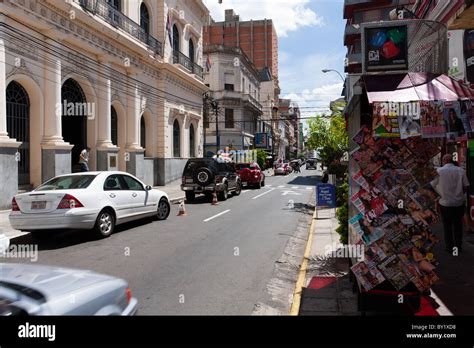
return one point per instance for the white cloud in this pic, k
(287, 15)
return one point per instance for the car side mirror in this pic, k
(148, 187)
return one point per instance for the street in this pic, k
(215, 260)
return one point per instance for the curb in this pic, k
(176, 199)
(300, 282)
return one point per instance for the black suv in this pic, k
(311, 164)
(206, 175)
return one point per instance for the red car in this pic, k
(250, 174)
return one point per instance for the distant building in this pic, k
(235, 85)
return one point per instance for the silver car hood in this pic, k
(52, 282)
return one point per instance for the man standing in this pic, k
(84, 159)
(451, 184)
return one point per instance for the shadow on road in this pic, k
(305, 180)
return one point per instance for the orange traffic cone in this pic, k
(214, 198)
(181, 209)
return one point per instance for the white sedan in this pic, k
(91, 200)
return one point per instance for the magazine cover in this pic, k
(394, 271)
(409, 124)
(374, 254)
(432, 119)
(368, 277)
(453, 121)
(425, 149)
(424, 174)
(360, 180)
(419, 268)
(367, 160)
(364, 136)
(384, 122)
(466, 115)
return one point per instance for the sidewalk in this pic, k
(328, 290)
(173, 190)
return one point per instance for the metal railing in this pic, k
(117, 19)
(180, 58)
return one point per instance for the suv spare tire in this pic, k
(203, 176)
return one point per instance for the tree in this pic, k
(328, 134)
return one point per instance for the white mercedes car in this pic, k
(90, 200)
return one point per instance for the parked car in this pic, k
(311, 164)
(283, 169)
(91, 200)
(44, 290)
(207, 175)
(250, 174)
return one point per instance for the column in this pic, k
(3, 87)
(55, 153)
(107, 153)
(134, 153)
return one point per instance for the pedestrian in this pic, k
(84, 159)
(451, 184)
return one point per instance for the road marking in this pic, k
(301, 281)
(244, 191)
(217, 215)
(290, 193)
(262, 194)
(294, 187)
(281, 186)
(269, 185)
(309, 188)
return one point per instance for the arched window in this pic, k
(144, 18)
(142, 132)
(18, 126)
(176, 46)
(191, 142)
(191, 50)
(113, 126)
(176, 139)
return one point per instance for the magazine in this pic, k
(367, 232)
(432, 119)
(384, 122)
(368, 277)
(453, 121)
(394, 271)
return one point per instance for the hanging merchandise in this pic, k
(432, 120)
(454, 125)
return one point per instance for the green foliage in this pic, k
(342, 214)
(261, 158)
(328, 135)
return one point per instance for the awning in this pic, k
(414, 86)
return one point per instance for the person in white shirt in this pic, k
(451, 184)
(84, 159)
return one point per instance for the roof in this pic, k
(414, 86)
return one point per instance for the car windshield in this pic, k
(69, 182)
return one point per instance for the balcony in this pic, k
(118, 20)
(188, 64)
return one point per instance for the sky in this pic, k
(310, 38)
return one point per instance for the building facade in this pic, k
(121, 77)
(235, 86)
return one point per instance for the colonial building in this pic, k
(235, 85)
(122, 77)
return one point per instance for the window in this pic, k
(70, 182)
(116, 4)
(176, 139)
(132, 184)
(228, 87)
(229, 118)
(206, 119)
(114, 183)
(191, 142)
(243, 85)
(144, 18)
(142, 132)
(207, 85)
(175, 38)
(191, 50)
(113, 126)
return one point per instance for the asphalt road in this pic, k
(202, 263)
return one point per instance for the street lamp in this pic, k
(328, 70)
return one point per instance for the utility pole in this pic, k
(215, 106)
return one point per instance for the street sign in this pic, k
(326, 195)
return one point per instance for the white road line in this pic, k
(294, 187)
(281, 186)
(244, 191)
(262, 194)
(269, 185)
(217, 215)
(309, 188)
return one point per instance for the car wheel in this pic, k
(238, 189)
(105, 223)
(259, 185)
(203, 176)
(224, 194)
(263, 183)
(190, 196)
(164, 209)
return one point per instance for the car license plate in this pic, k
(38, 205)
(244, 183)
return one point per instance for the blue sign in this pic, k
(261, 140)
(326, 195)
